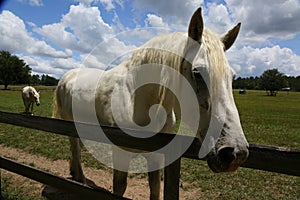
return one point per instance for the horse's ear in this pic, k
(229, 37)
(196, 26)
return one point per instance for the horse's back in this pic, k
(76, 88)
(26, 89)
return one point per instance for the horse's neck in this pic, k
(166, 50)
(33, 91)
(30, 91)
(133, 104)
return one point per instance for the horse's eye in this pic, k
(198, 73)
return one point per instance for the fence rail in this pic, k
(70, 186)
(267, 158)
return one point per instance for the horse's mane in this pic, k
(165, 50)
(33, 90)
(169, 50)
(219, 68)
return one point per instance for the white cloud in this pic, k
(265, 19)
(93, 35)
(261, 21)
(155, 21)
(15, 37)
(106, 54)
(218, 18)
(87, 26)
(139, 36)
(108, 4)
(85, 2)
(66, 39)
(32, 2)
(250, 61)
(35, 2)
(83, 30)
(177, 14)
(53, 67)
(178, 11)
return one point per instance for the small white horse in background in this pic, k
(30, 96)
(204, 58)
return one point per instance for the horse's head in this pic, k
(36, 96)
(211, 77)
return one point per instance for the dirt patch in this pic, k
(137, 187)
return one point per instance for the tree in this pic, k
(251, 83)
(35, 79)
(293, 83)
(272, 80)
(296, 84)
(48, 80)
(13, 70)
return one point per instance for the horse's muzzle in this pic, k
(37, 104)
(227, 159)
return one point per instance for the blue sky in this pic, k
(54, 36)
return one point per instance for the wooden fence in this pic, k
(273, 159)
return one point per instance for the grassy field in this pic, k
(266, 120)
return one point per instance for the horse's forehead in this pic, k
(201, 59)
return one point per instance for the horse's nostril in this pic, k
(242, 155)
(227, 155)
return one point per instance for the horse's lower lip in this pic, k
(217, 166)
(214, 164)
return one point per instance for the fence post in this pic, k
(171, 180)
(0, 185)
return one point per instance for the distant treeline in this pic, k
(255, 83)
(43, 80)
(14, 71)
(34, 80)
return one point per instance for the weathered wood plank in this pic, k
(90, 131)
(273, 159)
(72, 187)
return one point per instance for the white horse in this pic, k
(30, 96)
(200, 60)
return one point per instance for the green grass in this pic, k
(33, 141)
(265, 120)
(271, 120)
(10, 192)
